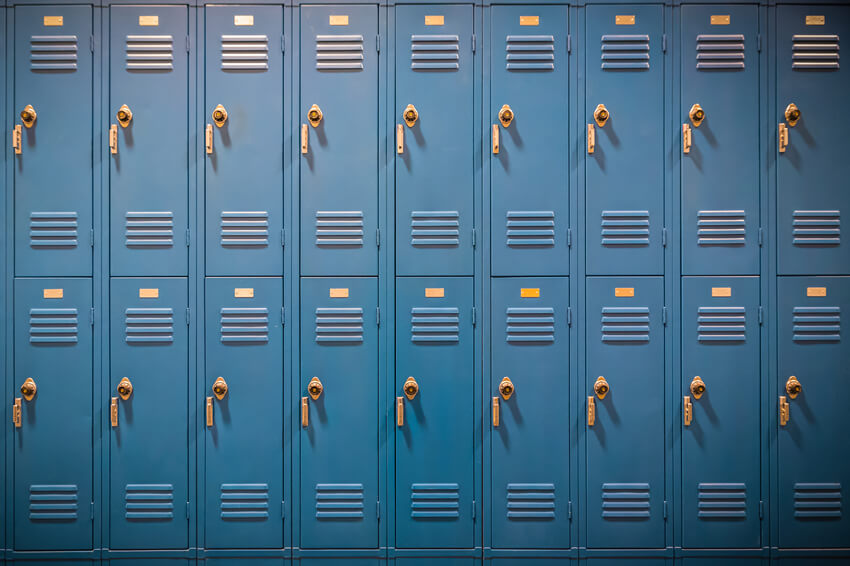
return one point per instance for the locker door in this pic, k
(339, 427)
(244, 445)
(53, 171)
(625, 172)
(148, 176)
(434, 171)
(814, 162)
(148, 487)
(244, 165)
(814, 471)
(339, 155)
(721, 446)
(720, 172)
(435, 425)
(529, 182)
(53, 347)
(531, 348)
(625, 442)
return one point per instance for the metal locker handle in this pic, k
(16, 139)
(16, 412)
(783, 137)
(399, 410)
(495, 139)
(591, 411)
(784, 411)
(399, 138)
(687, 140)
(113, 412)
(113, 139)
(305, 412)
(305, 137)
(688, 410)
(209, 138)
(591, 138)
(495, 411)
(209, 411)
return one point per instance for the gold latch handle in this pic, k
(591, 410)
(784, 411)
(399, 411)
(209, 138)
(305, 412)
(495, 139)
(687, 140)
(16, 139)
(209, 411)
(591, 139)
(113, 139)
(399, 138)
(113, 412)
(495, 412)
(688, 410)
(305, 138)
(16, 412)
(783, 137)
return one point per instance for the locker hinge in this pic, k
(91, 515)
(187, 237)
(569, 237)
(664, 43)
(665, 509)
(664, 237)
(282, 238)
(91, 43)
(473, 43)
(761, 509)
(187, 511)
(283, 316)
(474, 318)
(664, 316)
(378, 43)
(283, 509)
(473, 509)
(91, 238)
(569, 316)
(569, 43)
(378, 315)
(188, 49)
(474, 238)
(91, 317)
(378, 237)
(761, 314)
(188, 311)
(761, 237)
(570, 510)
(378, 509)
(759, 42)
(282, 43)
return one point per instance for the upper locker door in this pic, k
(721, 403)
(53, 140)
(243, 127)
(625, 413)
(435, 425)
(338, 121)
(435, 141)
(148, 401)
(529, 129)
(624, 116)
(814, 471)
(720, 164)
(529, 395)
(149, 140)
(53, 432)
(812, 162)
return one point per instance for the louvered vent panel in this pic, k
(150, 53)
(625, 52)
(530, 228)
(817, 324)
(625, 501)
(815, 52)
(339, 501)
(149, 229)
(53, 503)
(245, 228)
(817, 227)
(530, 53)
(434, 53)
(339, 325)
(339, 228)
(721, 228)
(434, 228)
(149, 326)
(434, 501)
(530, 325)
(53, 326)
(722, 324)
(149, 502)
(817, 501)
(244, 52)
(625, 324)
(53, 229)
(53, 53)
(722, 501)
(248, 501)
(339, 52)
(724, 52)
(625, 227)
(531, 501)
(248, 325)
(434, 324)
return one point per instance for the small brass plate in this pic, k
(243, 20)
(243, 292)
(148, 20)
(338, 20)
(435, 292)
(816, 291)
(815, 20)
(54, 293)
(148, 293)
(340, 293)
(529, 20)
(721, 20)
(624, 20)
(435, 20)
(53, 21)
(529, 292)
(624, 292)
(721, 291)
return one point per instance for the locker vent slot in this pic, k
(814, 52)
(244, 501)
(721, 228)
(339, 52)
(531, 501)
(625, 52)
(530, 53)
(721, 324)
(817, 324)
(149, 229)
(53, 326)
(722, 501)
(53, 229)
(339, 228)
(339, 501)
(530, 325)
(149, 326)
(817, 227)
(434, 324)
(243, 228)
(625, 227)
(53, 53)
(434, 501)
(149, 502)
(244, 52)
(241, 326)
(625, 501)
(531, 228)
(817, 501)
(434, 228)
(339, 325)
(625, 324)
(150, 53)
(724, 52)
(53, 502)
(434, 53)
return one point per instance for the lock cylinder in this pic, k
(697, 115)
(793, 387)
(315, 388)
(601, 387)
(219, 115)
(411, 388)
(314, 115)
(29, 389)
(220, 388)
(792, 114)
(506, 115)
(125, 388)
(506, 388)
(28, 116)
(410, 115)
(601, 115)
(124, 115)
(697, 387)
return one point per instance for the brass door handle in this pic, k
(16, 412)
(495, 412)
(687, 410)
(495, 139)
(28, 116)
(399, 411)
(784, 411)
(687, 140)
(591, 410)
(209, 411)
(591, 139)
(399, 138)
(17, 134)
(113, 139)
(783, 137)
(113, 412)
(305, 412)
(124, 115)
(209, 138)
(305, 138)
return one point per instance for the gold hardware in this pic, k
(16, 139)
(792, 114)
(529, 20)
(28, 116)
(209, 138)
(125, 388)
(506, 388)
(50, 21)
(410, 388)
(591, 411)
(152, 21)
(243, 292)
(697, 115)
(687, 410)
(410, 115)
(783, 137)
(721, 20)
(315, 388)
(506, 115)
(784, 411)
(495, 412)
(399, 411)
(815, 20)
(721, 291)
(435, 292)
(601, 115)
(113, 412)
(338, 292)
(529, 292)
(314, 115)
(435, 20)
(53, 293)
(152, 293)
(219, 388)
(591, 139)
(793, 387)
(624, 20)
(697, 387)
(338, 20)
(29, 389)
(601, 387)
(209, 411)
(219, 115)
(816, 291)
(113, 139)
(16, 412)
(305, 136)
(495, 139)
(399, 139)
(305, 412)
(686, 138)
(124, 115)
(243, 20)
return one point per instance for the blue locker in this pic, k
(625, 392)
(814, 471)
(243, 413)
(243, 131)
(719, 113)
(338, 117)
(52, 415)
(529, 393)
(435, 141)
(148, 405)
(721, 408)
(52, 139)
(435, 426)
(624, 115)
(339, 384)
(529, 140)
(812, 163)
(149, 140)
